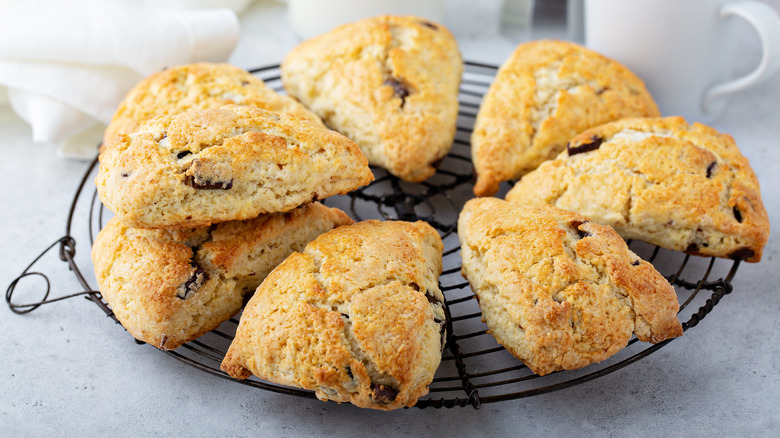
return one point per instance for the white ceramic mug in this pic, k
(684, 50)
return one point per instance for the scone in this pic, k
(389, 83)
(357, 317)
(230, 163)
(197, 86)
(557, 290)
(544, 94)
(170, 287)
(660, 180)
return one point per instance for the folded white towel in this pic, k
(68, 64)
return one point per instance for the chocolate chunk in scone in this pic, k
(558, 291)
(389, 83)
(356, 317)
(168, 287)
(681, 186)
(230, 163)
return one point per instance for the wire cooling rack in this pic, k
(475, 369)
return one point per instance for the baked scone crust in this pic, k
(389, 83)
(557, 290)
(544, 94)
(168, 287)
(197, 86)
(357, 317)
(680, 186)
(229, 163)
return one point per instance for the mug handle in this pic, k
(766, 21)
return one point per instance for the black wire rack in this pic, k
(475, 369)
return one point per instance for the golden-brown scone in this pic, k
(557, 290)
(230, 163)
(357, 317)
(389, 83)
(170, 287)
(661, 180)
(197, 86)
(544, 94)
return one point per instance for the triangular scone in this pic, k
(389, 83)
(544, 94)
(357, 317)
(197, 86)
(660, 180)
(229, 163)
(558, 291)
(169, 287)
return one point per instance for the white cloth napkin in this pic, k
(66, 65)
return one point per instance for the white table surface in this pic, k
(66, 369)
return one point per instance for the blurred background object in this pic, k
(517, 17)
(575, 21)
(310, 18)
(237, 6)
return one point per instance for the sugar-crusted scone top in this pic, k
(389, 83)
(544, 94)
(168, 287)
(558, 291)
(197, 86)
(681, 186)
(229, 163)
(357, 317)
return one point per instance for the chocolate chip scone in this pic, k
(357, 317)
(557, 290)
(168, 287)
(661, 180)
(389, 83)
(229, 163)
(544, 94)
(197, 86)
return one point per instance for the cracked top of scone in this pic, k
(357, 317)
(681, 186)
(230, 163)
(544, 94)
(557, 290)
(197, 86)
(168, 287)
(389, 83)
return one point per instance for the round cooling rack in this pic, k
(475, 369)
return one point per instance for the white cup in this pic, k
(684, 50)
